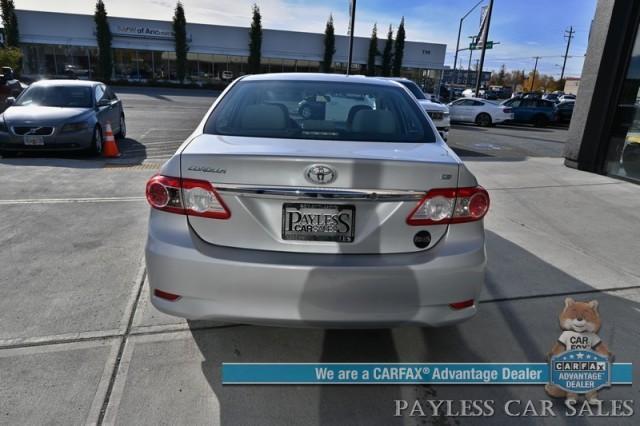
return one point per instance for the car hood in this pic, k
(433, 106)
(42, 114)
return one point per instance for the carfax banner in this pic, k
(576, 375)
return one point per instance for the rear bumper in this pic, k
(324, 290)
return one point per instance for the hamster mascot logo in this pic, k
(579, 360)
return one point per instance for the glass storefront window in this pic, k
(623, 155)
(125, 64)
(237, 66)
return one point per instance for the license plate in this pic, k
(33, 140)
(318, 222)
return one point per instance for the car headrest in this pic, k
(263, 117)
(374, 121)
(353, 110)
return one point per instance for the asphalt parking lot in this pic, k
(79, 342)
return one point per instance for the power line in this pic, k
(568, 34)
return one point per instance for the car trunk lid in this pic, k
(271, 186)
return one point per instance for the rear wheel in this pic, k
(540, 121)
(122, 133)
(483, 119)
(96, 142)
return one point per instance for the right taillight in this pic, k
(186, 196)
(450, 205)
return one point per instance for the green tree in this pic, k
(329, 46)
(387, 55)
(373, 51)
(180, 36)
(103, 36)
(11, 57)
(10, 22)
(255, 41)
(399, 49)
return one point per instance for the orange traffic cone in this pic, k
(109, 146)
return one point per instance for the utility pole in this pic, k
(535, 68)
(484, 46)
(568, 34)
(353, 23)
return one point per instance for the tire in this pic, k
(306, 112)
(8, 154)
(122, 133)
(483, 120)
(96, 141)
(540, 121)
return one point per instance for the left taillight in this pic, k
(450, 205)
(186, 196)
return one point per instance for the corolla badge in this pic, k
(320, 174)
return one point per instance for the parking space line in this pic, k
(70, 200)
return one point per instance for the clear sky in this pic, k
(524, 28)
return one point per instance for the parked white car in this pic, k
(470, 93)
(479, 111)
(438, 112)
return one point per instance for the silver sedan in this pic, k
(60, 115)
(364, 219)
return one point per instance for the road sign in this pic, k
(474, 46)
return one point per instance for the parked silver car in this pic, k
(60, 115)
(364, 220)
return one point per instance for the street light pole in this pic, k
(455, 59)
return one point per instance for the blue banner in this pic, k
(405, 373)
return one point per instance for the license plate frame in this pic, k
(319, 217)
(33, 140)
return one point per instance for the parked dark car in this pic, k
(9, 87)
(564, 111)
(490, 95)
(531, 111)
(60, 115)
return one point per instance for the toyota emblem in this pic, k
(320, 174)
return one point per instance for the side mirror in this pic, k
(10, 101)
(103, 102)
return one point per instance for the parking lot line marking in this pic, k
(70, 200)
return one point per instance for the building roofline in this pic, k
(209, 25)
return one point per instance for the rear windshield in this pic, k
(57, 96)
(320, 110)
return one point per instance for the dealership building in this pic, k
(57, 44)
